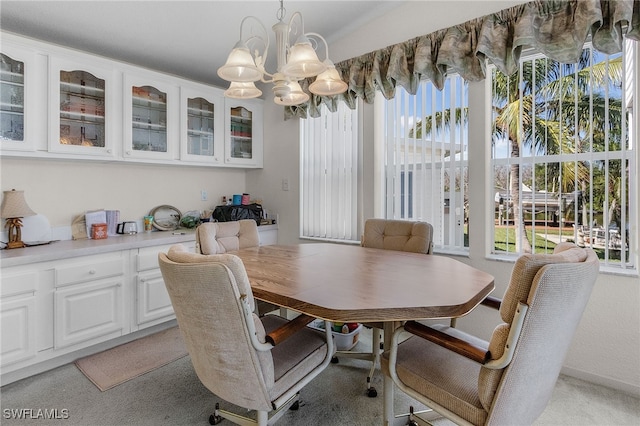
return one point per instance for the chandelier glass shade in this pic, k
(243, 68)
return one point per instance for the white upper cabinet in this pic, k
(201, 125)
(17, 89)
(243, 132)
(82, 108)
(61, 103)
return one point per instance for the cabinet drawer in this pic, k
(148, 257)
(14, 284)
(89, 271)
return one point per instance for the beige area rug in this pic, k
(125, 362)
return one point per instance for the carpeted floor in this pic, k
(173, 395)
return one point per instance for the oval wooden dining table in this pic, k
(349, 283)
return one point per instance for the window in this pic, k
(329, 175)
(562, 156)
(425, 160)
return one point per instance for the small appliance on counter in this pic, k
(127, 228)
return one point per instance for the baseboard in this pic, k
(628, 388)
(70, 357)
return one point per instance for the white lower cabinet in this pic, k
(153, 304)
(18, 317)
(89, 312)
(89, 299)
(56, 310)
(17, 321)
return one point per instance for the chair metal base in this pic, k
(263, 418)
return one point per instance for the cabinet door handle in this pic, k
(92, 271)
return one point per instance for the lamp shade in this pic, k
(240, 65)
(329, 82)
(303, 61)
(295, 96)
(245, 90)
(14, 205)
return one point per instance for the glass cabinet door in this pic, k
(244, 133)
(202, 124)
(241, 133)
(17, 113)
(200, 127)
(149, 119)
(81, 101)
(11, 99)
(151, 126)
(82, 114)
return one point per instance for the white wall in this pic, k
(61, 190)
(606, 347)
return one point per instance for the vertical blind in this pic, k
(426, 159)
(329, 175)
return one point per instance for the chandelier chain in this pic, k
(282, 12)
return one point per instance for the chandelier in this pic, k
(243, 68)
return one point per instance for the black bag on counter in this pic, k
(231, 213)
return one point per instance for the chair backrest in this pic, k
(221, 237)
(400, 235)
(205, 292)
(556, 288)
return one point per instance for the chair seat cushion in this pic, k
(423, 366)
(295, 357)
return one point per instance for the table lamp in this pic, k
(14, 208)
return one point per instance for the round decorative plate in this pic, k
(165, 218)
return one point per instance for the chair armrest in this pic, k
(287, 330)
(492, 302)
(459, 346)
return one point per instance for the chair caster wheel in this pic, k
(334, 360)
(295, 406)
(214, 420)
(412, 423)
(372, 392)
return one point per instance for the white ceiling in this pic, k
(186, 38)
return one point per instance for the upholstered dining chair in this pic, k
(388, 234)
(510, 379)
(259, 363)
(224, 237)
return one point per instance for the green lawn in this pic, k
(505, 240)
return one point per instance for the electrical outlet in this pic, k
(203, 195)
(285, 184)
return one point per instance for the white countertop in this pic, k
(74, 248)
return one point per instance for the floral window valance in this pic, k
(557, 28)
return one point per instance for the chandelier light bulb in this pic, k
(240, 65)
(303, 61)
(329, 82)
(295, 96)
(242, 90)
